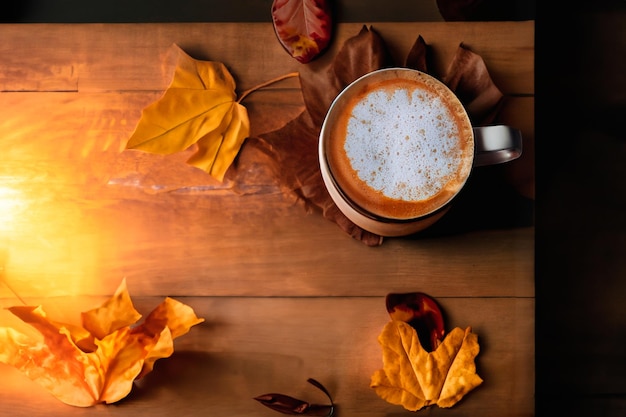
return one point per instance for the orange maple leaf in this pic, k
(415, 378)
(98, 361)
(199, 107)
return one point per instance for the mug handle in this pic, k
(496, 144)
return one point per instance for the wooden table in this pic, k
(286, 295)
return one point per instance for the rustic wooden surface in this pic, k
(285, 294)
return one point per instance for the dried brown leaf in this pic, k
(289, 405)
(294, 146)
(418, 56)
(358, 56)
(469, 78)
(291, 152)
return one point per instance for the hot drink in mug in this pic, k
(397, 146)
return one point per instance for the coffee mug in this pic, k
(397, 146)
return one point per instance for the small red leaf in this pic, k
(421, 312)
(283, 403)
(289, 405)
(303, 27)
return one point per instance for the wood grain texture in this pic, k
(252, 346)
(286, 295)
(122, 57)
(171, 229)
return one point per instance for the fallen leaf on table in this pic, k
(98, 361)
(415, 378)
(200, 108)
(303, 27)
(418, 56)
(289, 405)
(359, 55)
(291, 152)
(422, 313)
(469, 78)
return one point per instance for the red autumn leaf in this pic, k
(303, 27)
(421, 312)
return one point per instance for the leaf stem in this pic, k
(265, 84)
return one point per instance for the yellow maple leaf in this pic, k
(200, 107)
(415, 378)
(98, 362)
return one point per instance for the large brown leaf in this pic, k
(291, 152)
(467, 76)
(418, 56)
(294, 147)
(359, 55)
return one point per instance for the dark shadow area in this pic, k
(487, 202)
(581, 210)
(13, 11)
(134, 11)
(147, 11)
(479, 10)
(190, 379)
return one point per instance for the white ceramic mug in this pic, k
(397, 146)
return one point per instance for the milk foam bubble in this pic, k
(403, 143)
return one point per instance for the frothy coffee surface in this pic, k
(403, 148)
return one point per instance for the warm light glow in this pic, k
(77, 213)
(10, 204)
(46, 249)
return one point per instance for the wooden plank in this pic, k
(121, 57)
(93, 214)
(252, 346)
(228, 246)
(286, 294)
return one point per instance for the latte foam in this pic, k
(401, 148)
